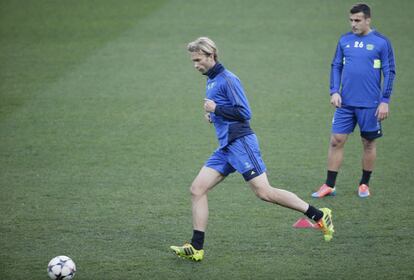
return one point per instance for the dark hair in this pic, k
(361, 7)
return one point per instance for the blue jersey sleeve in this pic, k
(240, 110)
(336, 70)
(388, 70)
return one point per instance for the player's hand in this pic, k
(209, 105)
(207, 117)
(336, 100)
(382, 111)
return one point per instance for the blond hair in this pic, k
(204, 45)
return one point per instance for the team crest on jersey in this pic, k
(348, 46)
(211, 85)
(370, 47)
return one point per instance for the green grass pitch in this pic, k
(102, 132)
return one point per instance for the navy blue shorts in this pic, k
(346, 118)
(243, 155)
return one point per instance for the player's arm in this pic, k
(388, 71)
(239, 110)
(335, 79)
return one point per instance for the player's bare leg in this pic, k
(206, 179)
(263, 190)
(370, 154)
(335, 157)
(336, 151)
(368, 160)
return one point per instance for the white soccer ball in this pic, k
(61, 268)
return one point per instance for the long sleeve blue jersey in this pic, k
(232, 114)
(356, 69)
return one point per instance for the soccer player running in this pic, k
(360, 57)
(226, 106)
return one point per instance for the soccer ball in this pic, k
(61, 268)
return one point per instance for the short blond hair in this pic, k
(204, 45)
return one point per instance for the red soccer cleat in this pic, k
(363, 191)
(324, 190)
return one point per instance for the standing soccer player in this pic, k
(226, 106)
(356, 92)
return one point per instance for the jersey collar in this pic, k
(215, 70)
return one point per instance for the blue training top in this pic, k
(232, 114)
(357, 64)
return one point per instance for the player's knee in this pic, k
(193, 190)
(262, 193)
(369, 145)
(337, 142)
(196, 189)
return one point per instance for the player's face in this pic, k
(360, 24)
(202, 62)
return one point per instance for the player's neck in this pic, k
(369, 30)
